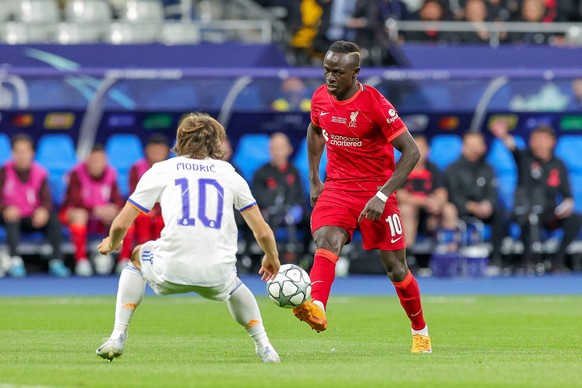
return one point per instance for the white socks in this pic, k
(320, 304)
(244, 309)
(129, 295)
(421, 332)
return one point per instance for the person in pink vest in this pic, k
(92, 201)
(26, 206)
(149, 226)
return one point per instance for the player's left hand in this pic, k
(105, 246)
(373, 209)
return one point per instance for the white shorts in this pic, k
(160, 286)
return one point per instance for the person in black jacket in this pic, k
(472, 188)
(278, 190)
(543, 196)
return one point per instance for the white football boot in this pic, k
(267, 353)
(112, 348)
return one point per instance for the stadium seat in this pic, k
(252, 151)
(88, 11)
(38, 21)
(7, 10)
(5, 149)
(576, 187)
(445, 149)
(143, 11)
(180, 33)
(57, 154)
(76, 33)
(301, 162)
(123, 150)
(132, 33)
(568, 149)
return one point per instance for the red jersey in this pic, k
(358, 134)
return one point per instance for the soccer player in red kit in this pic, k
(360, 129)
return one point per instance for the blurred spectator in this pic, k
(26, 206)
(295, 96)
(277, 188)
(472, 188)
(92, 201)
(575, 103)
(476, 14)
(431, 11)
(369, 23)
(146, 227)
(543, 196)
(558, 10)
(423, 199)
(532, 11)
(334, 23)
(304, 31)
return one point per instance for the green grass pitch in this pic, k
(186, 341)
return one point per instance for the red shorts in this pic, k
(340, 208)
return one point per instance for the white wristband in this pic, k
(382, 196)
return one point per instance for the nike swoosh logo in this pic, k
(324, 113)
(414, 315)
(394, 240)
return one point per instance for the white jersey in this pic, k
(199, 241)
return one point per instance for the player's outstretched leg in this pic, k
(322, 276)
(244, 309)
(409, 294)
(129, 295)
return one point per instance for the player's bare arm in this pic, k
(266, 240)
(315, 147)
(118, 229)
(410, 155)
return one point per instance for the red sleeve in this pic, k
(46, 200)
(133, 179)
(73, 197)
(390, 123)
(315, 109)
(2, 179)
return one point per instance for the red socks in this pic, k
(322, 274)
(79, 240)
(128, 244)
(409, 295)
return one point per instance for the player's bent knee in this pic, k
(135, 257)
(332, 239)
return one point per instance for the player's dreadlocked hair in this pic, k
(200, 136)
(345, 47)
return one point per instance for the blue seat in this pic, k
(302, 163)
(568, 149)
(576, 187)
(445, 149)
(5, 148)
(252, 152)
(57, 154)
(123, 150)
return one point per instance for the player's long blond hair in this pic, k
(200, 136)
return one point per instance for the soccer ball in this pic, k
(290, 288)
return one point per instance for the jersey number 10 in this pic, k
(203, 184)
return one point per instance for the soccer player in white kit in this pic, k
(197, 247)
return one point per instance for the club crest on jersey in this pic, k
(353, 117)
(393, 116)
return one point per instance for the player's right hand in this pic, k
(315, 190)
(499, 128)
(269, 268)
